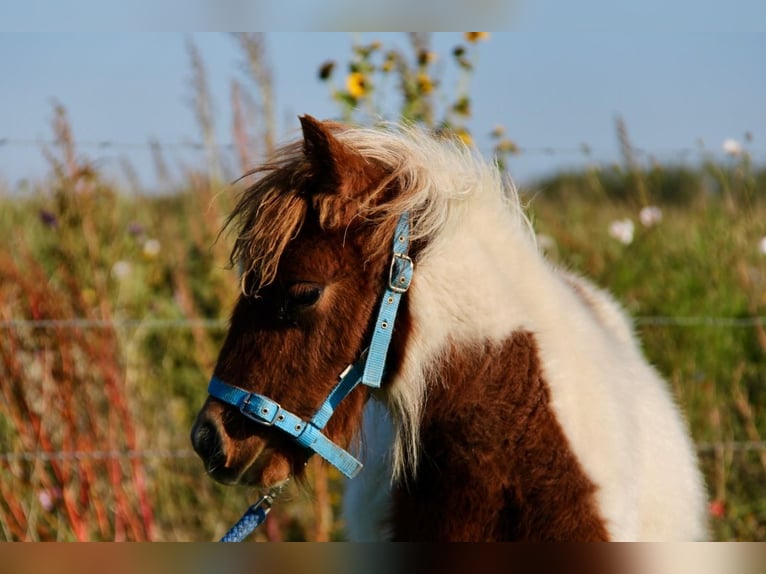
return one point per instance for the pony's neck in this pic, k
(489, 446)
(465, 291)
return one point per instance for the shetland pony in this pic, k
(514, 401)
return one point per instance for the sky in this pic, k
(678, 90)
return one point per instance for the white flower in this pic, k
(732, 147)
(650, 215)
(151, 248)
(762, 245)
(546, 242)
(622, 230)
(47, 498)
(121, 269)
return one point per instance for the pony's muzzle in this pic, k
(230, 460)
(207, 442)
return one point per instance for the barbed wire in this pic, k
(700, 321)
(207, 323)
(106, 144)
(47, 456)
(583, 149)
(735, 446)
(78, 323)
(681, 321)
(175, 454)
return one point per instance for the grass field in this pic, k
(113, 305)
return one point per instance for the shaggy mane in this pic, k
(426, 172)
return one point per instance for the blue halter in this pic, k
(368, 370)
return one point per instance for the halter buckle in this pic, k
(400, 274)
(259, 417)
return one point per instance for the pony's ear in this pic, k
(319, 146)
(334, 166)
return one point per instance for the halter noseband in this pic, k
(368, 370)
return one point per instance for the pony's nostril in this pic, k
(206, 441)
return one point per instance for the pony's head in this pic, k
(313, 242)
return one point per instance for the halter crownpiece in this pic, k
(368, 370)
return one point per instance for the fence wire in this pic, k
(207, 323)
(47, 456)
(583, 149)
(82, 323)
(168, 454)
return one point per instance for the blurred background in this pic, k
(640, 158)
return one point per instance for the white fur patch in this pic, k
(482, 278)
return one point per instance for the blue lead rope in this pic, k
(252, 518)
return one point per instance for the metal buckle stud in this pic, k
(400, 282)
(255, 416)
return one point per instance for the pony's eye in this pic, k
(304, 294)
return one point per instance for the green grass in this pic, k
(78, 248)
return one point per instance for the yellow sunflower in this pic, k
(464, 136)
(357, 85)
(474, 37)
(425, 83)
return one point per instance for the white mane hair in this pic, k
(480, 279)
(441, 181)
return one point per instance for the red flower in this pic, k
(717, 509)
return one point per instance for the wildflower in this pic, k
(135, 229)
(464, 136)
(732, 147)
(506, 146)
(650, 215)
(474, 37)
(151, 248)
(460, 57)
(426, 57)
(388, 63)
(48, 497)
(425, 83)
(89, 296)
(46, 500)
(762, 245)
(121, 269)
(357, 85)
(462, 106)
(717, 509)
(48, 218)
(546, 242)
(498, 131)
(325, 70)
(622, 230)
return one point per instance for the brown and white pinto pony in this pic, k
(516, 403)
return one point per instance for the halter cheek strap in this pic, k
(368, 370)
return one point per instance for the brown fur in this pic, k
(320, 178)
(495, 463)
(292, 229)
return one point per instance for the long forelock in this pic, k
(268, 215)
